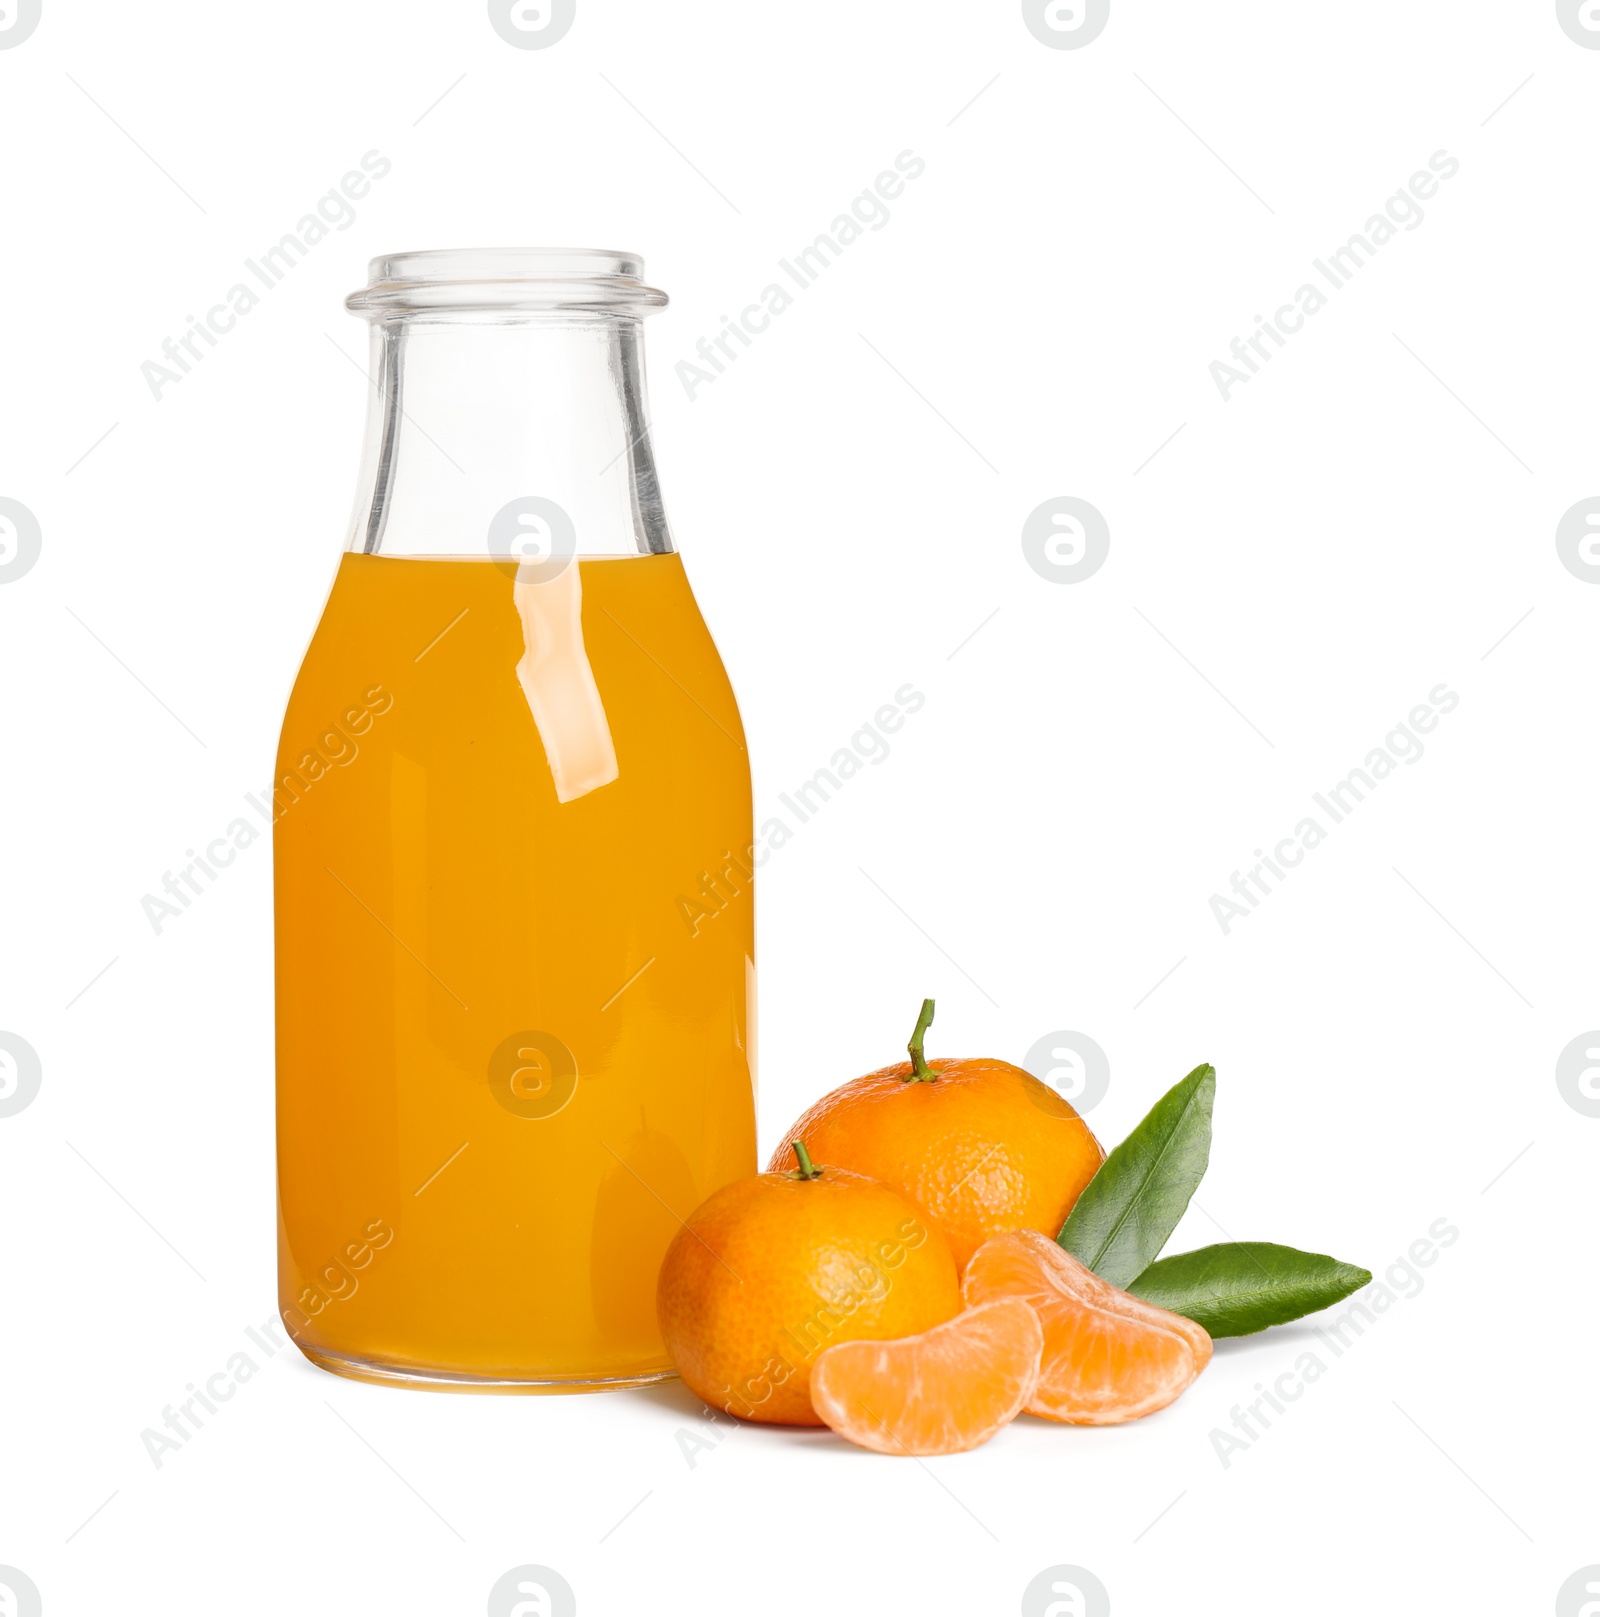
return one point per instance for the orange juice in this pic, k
(515, 966)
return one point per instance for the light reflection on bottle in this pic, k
(559, 683)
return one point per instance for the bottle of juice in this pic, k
(515, 941)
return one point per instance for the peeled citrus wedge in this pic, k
(947, 1390)
(1108, 1357)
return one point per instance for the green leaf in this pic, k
(1245, 1286)
(1123, 1218)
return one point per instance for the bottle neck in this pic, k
(519, 437)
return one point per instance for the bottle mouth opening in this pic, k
(579, 280)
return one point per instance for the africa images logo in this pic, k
(1066, 25)
(20, 1076)
(1580, 22)
(1065, 540)
(1578, 1074)
(533, 1074)
(20, 539)
(19, 1594)
(532, 25)
(1578, 539)
(532, 1591)
(1073, 1065)
(1066, 1591)
(18, 19)
(536, 535)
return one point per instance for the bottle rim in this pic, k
(553, 279)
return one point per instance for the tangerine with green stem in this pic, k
(982, 1146)
(770, 1271)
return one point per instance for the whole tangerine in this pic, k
(981, 1146)
(770, 1270)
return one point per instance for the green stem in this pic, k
(921, 1072)
(806, 1170)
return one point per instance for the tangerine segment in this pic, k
(949, 1389)
(1108, 1357)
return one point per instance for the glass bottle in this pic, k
(515, 943)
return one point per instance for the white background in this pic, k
(1372, 515)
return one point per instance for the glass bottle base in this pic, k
(424, 1378)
